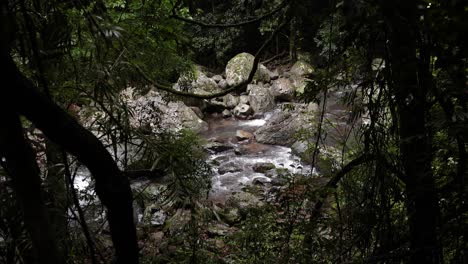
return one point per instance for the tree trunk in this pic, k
(112, 186)
(415, 147)
(22, 167)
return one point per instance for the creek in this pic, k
(234, 168)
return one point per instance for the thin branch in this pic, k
(235, 24)
(81, 216)
(333, 182)
(214, 95)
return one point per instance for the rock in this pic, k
(231, 215)
(313, 108)
(263, 167)
(188, 118)
(217, 78)
(223, 84)
(299, 83)
(203, 83)
(154, 114)
(282, 89)
(154, 216)
(242, 134)
(219, 243)
(242, 110)
(301, 149)
(239, 67)
(260, 181)
(238, 152)
(301, 68)
(274, 74)
(260, 99)
(230, 101)
(215, 147)
(218, 229)
(229, 167)
(215, 105)
(262, 74)
(281, 128)
(157, 237)
(244, 99)
(197, 111)
(226, 113)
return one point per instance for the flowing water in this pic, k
(233, 169)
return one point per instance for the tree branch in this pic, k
(214, 95)
(227, 25)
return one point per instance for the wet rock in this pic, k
(215, 105)
(197, 111)
(282, 89)
(260, 99)
(260, 181)
(242, 110)
(281, 128)
(215, 147)
(226, 113)
(242, 134)
(229, 167)
(263, 167)
(230, 101)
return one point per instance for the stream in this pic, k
(234, 168)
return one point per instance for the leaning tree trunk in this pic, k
(112, 186)
(21, 164)
(415, 147)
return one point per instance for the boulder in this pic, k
(274, 74)
(230, 101)
(154, 216)
(226, 113)
(260, 99)
(261, 181)
(223, 84)
(239, 67)
(188, 119)
(217, 78)
(282, 89)
(242, 110)
(242, 134)
(299, 83)
(216, 147)
(244, 99)
(281, 128)
(229, 167)
(197, 111)
(154, 114)
(301, 68)
(262, 167)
